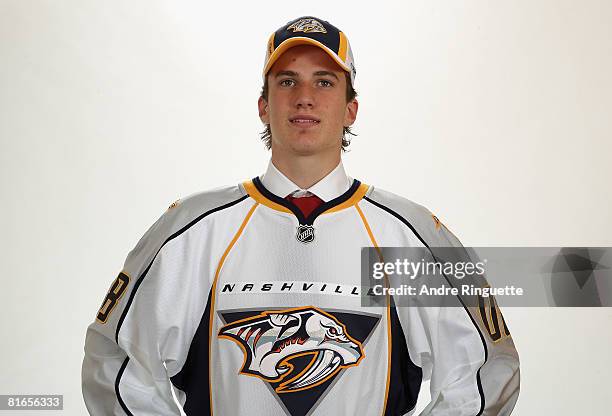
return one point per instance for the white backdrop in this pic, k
(495, 115)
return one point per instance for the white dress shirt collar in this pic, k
(331, 186)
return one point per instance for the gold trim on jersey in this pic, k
(353, 200)
(258, 196)
(369, 230)
(386, 280)
(213, 295)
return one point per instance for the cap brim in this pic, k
(289, 43)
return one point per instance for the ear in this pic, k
(350, 115)
(264, 114)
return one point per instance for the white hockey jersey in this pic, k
(245, 307)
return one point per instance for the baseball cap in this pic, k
(309, 30)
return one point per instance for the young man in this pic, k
(247, 299)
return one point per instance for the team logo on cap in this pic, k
(305, 234)
(307, 26)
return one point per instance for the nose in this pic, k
(304, 97)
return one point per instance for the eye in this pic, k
(325, 83)
(333, 331)
(287, 82)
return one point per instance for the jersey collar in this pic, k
(256, 190)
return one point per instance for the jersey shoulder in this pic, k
(416, 217)
(204, 203)
(184, 213)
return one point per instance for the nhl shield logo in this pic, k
(305, 234)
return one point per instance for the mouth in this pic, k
(304, 121)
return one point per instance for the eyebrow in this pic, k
(296, 75)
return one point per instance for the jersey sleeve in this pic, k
(468, 375)
(142, 329)
(465, 350)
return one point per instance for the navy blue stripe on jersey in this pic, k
(121, 402)
(194, 377)
(334, 202)
(296, 211)
(172, 237)
(484, 344)
(144, 274)
(405, 378)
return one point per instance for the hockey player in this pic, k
(246, 300)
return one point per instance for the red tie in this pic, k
(306, 204)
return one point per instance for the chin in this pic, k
(306, 143)
(305, 148)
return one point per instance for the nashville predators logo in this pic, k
(307, 26)
(271, 340)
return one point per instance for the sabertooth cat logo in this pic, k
(307, 26)
(272, 339)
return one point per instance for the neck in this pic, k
(305, 171)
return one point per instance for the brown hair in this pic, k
(351, 94)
